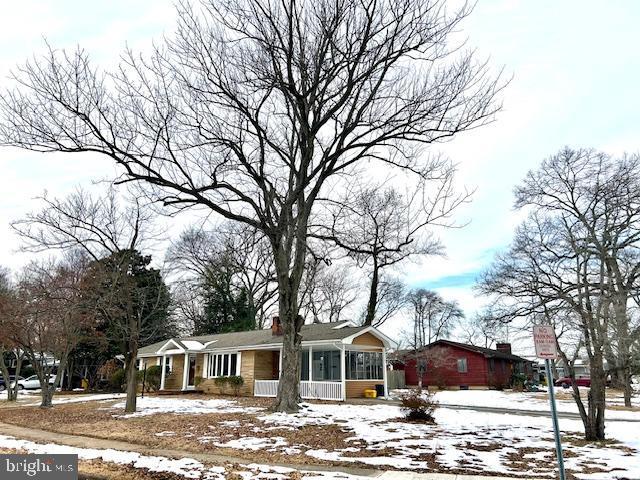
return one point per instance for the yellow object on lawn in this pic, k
(368, 393)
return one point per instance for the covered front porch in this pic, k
(331, 372)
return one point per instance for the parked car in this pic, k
(32, 383)
(12, 379)
(566, 382)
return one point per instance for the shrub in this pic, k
(197, 381)
(518, 381)
(116, 380)
(234, 381)
(419, 406)
(151, 379)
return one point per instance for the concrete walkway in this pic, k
(86, 441)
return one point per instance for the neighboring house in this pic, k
(444, 363)
(338, 360)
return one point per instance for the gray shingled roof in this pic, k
(310, 333)
(487, 352)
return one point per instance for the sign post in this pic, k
(545, 340)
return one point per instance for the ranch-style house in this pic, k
(338, 361)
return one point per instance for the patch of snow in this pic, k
(183, 406)
(254, 443)
(476, 441)
(537, 401)
(185, 467)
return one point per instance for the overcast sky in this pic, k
(575, 67)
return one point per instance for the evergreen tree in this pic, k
(227, 307)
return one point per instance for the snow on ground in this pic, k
(518, 400)
(31, 398)
(475, 441)
(98, 397)
(184, 406)
(184, 467)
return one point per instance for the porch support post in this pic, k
(163, 374)
(384, 372)
(280, 365)
(343, 371)
(310, 363)
(185, 371)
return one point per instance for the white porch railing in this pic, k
(265, 388)
(321, 390)
(308, 390)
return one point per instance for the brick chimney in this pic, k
(276, 326)
(504, 347)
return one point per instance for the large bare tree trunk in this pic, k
(288, 398)
(131, 377)
(46, 395)
(594, 428)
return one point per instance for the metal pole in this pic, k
(554, 416)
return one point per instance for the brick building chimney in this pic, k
(276, 326)
(504, 347)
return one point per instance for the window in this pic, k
(304, 365)
(326, 365)
(462, 365)
(222, 365)
(364, 366)
(168, 365)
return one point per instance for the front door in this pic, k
(191, 382)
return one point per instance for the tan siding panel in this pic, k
(368, 339)
(174, 379)
(150, 362)
(263, 365)
(356, 388)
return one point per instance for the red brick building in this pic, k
(448, 364)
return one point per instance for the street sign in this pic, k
(545, 340)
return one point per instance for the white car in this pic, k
(32, 383)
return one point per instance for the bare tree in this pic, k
(562, 265)
(51, 318)
(192, 256)
(433, 316)
(391, 299)
(379, 227)
(109, 232)
(481, 330)
(328, 291)
(9, 348)
(599, 197)
(257, 110)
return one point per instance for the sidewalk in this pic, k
(86, 441)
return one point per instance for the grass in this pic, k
(199, 433)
